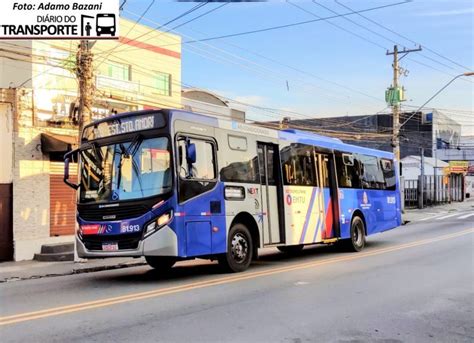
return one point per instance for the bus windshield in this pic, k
(123, 171)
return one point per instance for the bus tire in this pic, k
(160, 263)
(357, 241)
(239, 249)
(291, 249)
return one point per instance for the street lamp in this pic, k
(470, 73)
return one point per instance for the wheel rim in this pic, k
(357, 235)
(240, 248)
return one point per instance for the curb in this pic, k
(76, 271)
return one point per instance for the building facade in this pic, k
(421, 130)
(38, 104)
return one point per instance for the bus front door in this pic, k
(271, 193)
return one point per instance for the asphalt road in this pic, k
(411, 284)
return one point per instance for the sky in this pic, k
(326, 68)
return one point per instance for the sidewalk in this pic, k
(24, 270)
(415, 214)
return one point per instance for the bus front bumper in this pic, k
(163, 242)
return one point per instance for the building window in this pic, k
(162, 83)
(118, 71)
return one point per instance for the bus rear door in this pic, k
(327, 174)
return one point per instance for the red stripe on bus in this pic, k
(329, 220)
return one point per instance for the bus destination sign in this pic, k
(123, 125)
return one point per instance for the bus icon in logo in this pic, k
(105, 24)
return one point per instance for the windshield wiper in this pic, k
(135, 144)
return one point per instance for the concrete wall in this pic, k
(455, 154)
(6, 143)
(31, 189)
(411, 167)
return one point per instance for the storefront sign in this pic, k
(458, 167)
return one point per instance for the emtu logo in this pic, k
(104, 24)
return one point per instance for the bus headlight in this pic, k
(158, 223)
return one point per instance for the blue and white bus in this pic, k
(173, 185)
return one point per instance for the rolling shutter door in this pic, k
(62, 200)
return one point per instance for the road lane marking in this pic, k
(448, 216)
(432, 217)
(22, 317)
(466, 215)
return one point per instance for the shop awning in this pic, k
(57, 143)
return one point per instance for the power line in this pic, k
(135, 24)
(196, 7)
(384, 37)
(265, 74)
(290, 25)
(377, 33)
(404, 37)
(179, 25)
(279, 63)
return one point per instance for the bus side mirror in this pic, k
(67, 159)
(191, 153)
(400, 165)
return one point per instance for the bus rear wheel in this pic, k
(357, 241)
(291, 249)
(160, 263)
(239, 250)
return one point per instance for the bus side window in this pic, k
(371, 171)
(348, 170)
(299, 167)
(198, 176)
(388, 170)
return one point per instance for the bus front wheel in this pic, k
(160, 263)
(357, 241)
(239, 249)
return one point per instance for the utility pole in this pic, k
(394, 96)
(421, 180)
(85, 76)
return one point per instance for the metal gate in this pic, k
(433, 190)
(6, 222)
(62, 200)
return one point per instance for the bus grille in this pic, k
(112, 213)
(125, 241)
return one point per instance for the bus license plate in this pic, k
(110, 246)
